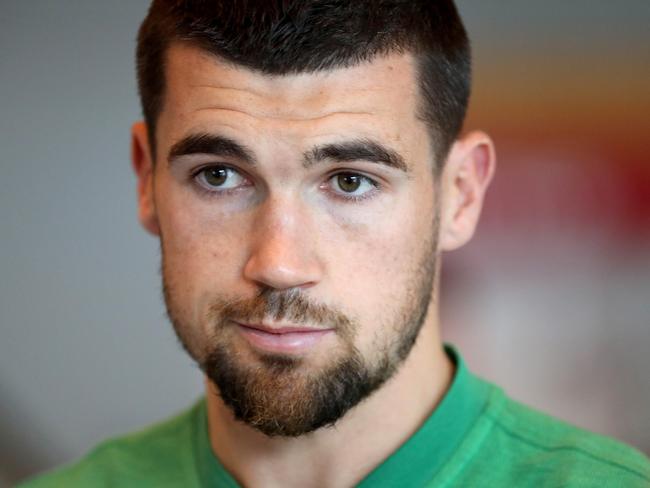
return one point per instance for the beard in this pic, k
(281, 395)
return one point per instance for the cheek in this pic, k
(203, 255)
(377, 265)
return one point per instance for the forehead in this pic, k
(372, 99)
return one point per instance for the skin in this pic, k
(288, 228)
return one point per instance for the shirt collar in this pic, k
(414, 463)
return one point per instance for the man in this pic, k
(302, 164)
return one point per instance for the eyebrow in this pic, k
(356, 150)
(342, 152)
(214, 144)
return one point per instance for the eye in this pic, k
(352, 186)
(219, 178)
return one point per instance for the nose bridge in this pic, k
(282, 254)
(278, 218)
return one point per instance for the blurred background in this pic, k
(551, 300)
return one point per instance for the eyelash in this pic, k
(352, 198)
(215, 193)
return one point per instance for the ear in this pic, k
(467, 173)
(144, 170)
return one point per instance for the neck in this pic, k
(342, 455)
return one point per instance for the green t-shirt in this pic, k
(476, 437)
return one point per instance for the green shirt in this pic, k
(476, 437)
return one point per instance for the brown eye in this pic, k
(220, 178)
(348, 182)
(352, 186)
(215, 176)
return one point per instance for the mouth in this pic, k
(286, 339)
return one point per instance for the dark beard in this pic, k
(277, 394)
(279, 400)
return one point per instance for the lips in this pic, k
(282, 339)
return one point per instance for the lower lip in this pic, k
(288, 343)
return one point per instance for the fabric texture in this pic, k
(476, 437)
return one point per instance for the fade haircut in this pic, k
(278, 37)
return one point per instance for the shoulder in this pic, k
(550, 452)
(159, 455)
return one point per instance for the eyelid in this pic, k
(216, 164)
(347, 197)
(195, 177)
(375, 183)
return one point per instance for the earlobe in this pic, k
(467, 174)
(143, 167)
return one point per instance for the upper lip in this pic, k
(281, 328)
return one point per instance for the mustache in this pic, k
(281, 305)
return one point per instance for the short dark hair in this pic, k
(297, 36)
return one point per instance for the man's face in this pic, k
(297, 217)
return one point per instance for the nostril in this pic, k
(283, 253)
(282, 264)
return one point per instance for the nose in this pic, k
(283, 254)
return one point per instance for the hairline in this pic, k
(418, 60)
